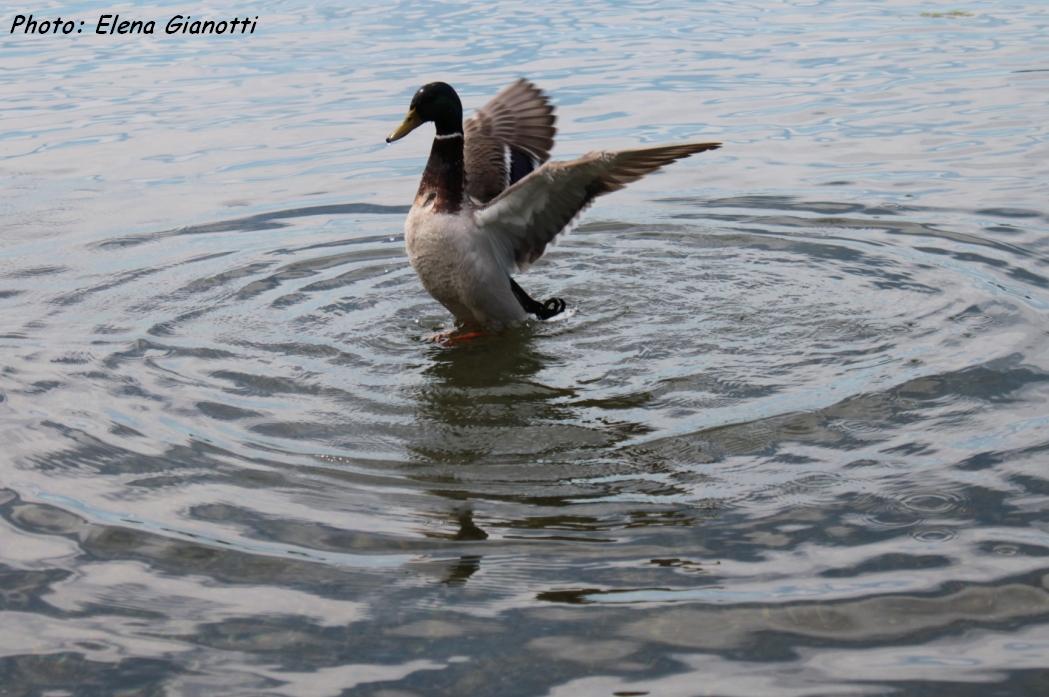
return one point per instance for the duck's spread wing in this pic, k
(507, 139)
(528, 215)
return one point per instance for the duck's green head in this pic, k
(435, 102)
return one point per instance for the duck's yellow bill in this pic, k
(410, 123)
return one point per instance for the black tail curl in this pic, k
(543, 310)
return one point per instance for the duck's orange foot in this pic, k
(451, 338)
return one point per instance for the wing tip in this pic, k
(703, 147)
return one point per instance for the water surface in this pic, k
(791, 439)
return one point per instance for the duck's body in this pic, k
(487, 204)
(459, 268)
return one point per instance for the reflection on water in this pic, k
(790, 440)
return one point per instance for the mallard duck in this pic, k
(489, 201)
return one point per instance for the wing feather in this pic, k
(520, 118)
(527, 216)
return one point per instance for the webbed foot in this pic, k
(455, 336)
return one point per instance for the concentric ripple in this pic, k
(789, 438)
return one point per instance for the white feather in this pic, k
(507, 164)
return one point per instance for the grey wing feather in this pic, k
(515, 128)
(527, 216)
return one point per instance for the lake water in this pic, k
(792, 439)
